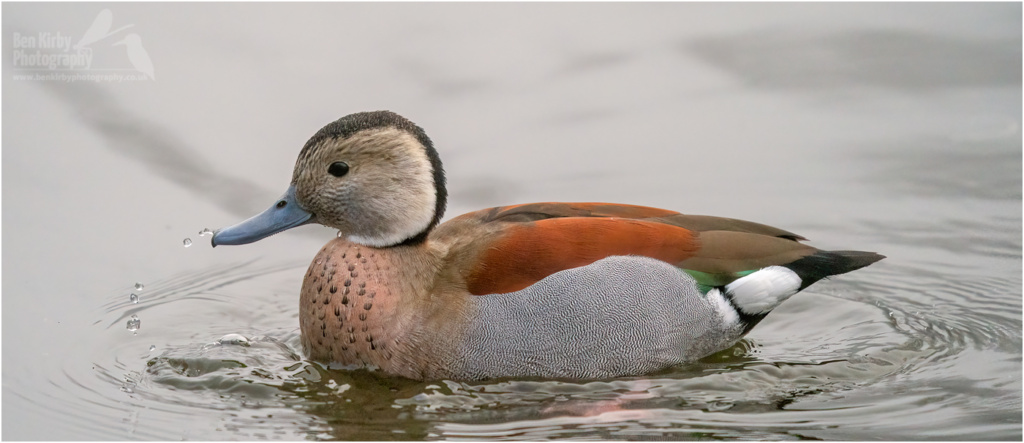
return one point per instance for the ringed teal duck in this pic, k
(563, 290)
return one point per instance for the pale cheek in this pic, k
(410, 208)
(406, 212)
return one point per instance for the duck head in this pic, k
(374, 176)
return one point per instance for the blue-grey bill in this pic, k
(283, 215)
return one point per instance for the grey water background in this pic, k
(883, 127)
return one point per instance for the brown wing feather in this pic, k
(525, 253)
(703, 223)
(513, 247)
(541, 211)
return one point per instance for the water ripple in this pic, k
(822, 365)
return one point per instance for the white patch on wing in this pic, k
(723, 306)
(763, 290)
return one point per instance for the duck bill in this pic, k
(283, 215)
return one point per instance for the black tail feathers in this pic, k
(822, 264)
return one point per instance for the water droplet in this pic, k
(234, 339)
(152, 348)
(205, 232)
(134, 323)
(187, 242)
(134, 298)
(139, 286)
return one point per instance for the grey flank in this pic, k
(628, 315)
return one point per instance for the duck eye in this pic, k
(338, 169)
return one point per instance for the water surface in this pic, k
(889, 128)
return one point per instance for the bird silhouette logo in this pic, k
(137, 55)
(100, 30)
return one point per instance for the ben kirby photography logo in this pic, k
(50, 56)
